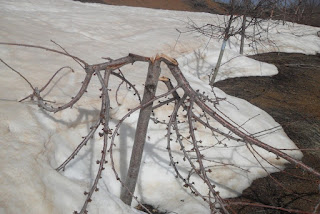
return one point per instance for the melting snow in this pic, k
(33, 143)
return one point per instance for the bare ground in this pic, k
(182, 5)
(292, 98)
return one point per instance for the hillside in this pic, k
(183, 5)
(311, 19)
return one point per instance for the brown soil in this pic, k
(199, 6)
(292, 98)
(182, 5)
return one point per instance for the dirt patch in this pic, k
(292, 98)
(182, 5)
(199, 6)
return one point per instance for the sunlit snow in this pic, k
(33, 143)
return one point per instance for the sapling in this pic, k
(192, 110)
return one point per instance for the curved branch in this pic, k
(82, 90)
(31, 95)
(129, 83)
(201, 171)
(187, 88)
(79, 147)
(105, 111)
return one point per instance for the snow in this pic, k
(33, 143)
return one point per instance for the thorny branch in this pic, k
(191, 109)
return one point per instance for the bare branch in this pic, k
(44, 87)
(31, 86)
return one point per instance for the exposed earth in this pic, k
(209, 6)
(292, 98)
(182, 5)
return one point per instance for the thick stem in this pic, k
(141, 132)
(225, 39)
(243, 28)
(216, 69)
(105, 114)
(243, 33)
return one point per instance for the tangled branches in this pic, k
(192, 112)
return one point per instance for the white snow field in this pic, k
(33, 143)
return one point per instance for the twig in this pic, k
(44, 87)
(31, 86)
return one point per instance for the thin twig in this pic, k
(31, 86)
